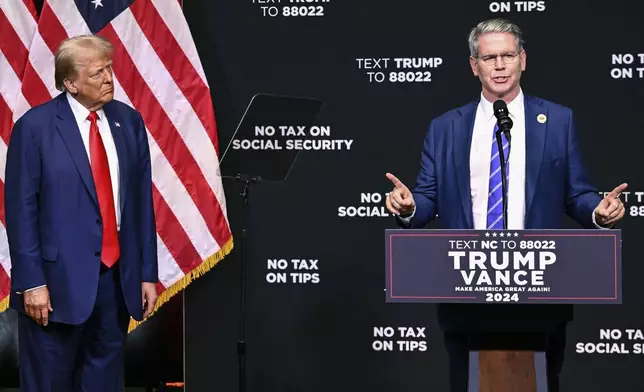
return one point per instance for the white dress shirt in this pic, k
(80, 114)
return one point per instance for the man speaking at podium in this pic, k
(460, 181)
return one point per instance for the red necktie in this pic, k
(101, 171)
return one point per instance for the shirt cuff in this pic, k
(407, 218)
(33, 288)
(597, 225)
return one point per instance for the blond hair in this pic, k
(65, 65)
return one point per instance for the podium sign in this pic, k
(503, 266)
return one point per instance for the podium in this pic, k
(504, 267)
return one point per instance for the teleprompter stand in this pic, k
(259, 152)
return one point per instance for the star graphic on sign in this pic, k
(516, 234)
(487, 234)
(493, 234)
(97, 3)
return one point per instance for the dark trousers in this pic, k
(459, 344)
(77, 358)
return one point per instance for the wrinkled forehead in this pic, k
(494, 42)
(91, 59)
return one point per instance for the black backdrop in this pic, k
(320, 336)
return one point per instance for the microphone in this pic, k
(504, 122)
(503, 117)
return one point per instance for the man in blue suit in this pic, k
(460, 182)
(81, 227)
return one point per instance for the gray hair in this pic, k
(65, 65)
(498, 25)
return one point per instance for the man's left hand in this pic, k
(611, 209)
(149, 297)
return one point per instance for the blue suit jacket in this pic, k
(53, 220)
(556, 185)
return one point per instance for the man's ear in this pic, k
(70, 86)
(475, 70)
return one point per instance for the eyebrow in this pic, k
(97, 70)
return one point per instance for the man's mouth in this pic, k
(500, 79)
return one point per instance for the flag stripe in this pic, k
(180, 202)
(51, 32)
(164, 89)
(68, 18)
(178, 26)
(34, 92)
(5, 127)
(17, 26)
(2, 212)
(5, 261)
(160, 288)
(3, 161)
(169, 271)
(5, 284)
(22, 20)
(166, 136)
(173, 235)
(19, 102)
(51, 27)
(175, 61)
(31, 7)
(10, 82)
(11, 46)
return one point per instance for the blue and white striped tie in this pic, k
(494, 197)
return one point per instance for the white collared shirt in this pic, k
(80, 114)
(480, 156)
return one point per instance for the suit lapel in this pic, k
(462, 144)
(118, 130)
(535, 144)
(68, 129)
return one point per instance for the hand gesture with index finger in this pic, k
(611, 209)
(400, 200)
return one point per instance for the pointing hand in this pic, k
(610, 209)
(400, 200)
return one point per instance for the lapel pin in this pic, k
(117, 124)
(542, 118)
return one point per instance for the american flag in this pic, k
(158, 72)
(17, 28)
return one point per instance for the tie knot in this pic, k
(92, 117)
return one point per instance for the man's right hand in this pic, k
(38, 305)
(400, 200)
